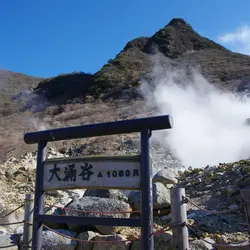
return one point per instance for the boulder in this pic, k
(85, 236)
(96, 204)
(165, 176)
(78, 193)
(106, 193)
(201, 245)
(53, 241)
(214, 223)
(240, 246)
(111, 246)
(8, 240)
(161, 197)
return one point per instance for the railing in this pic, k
(27, 224)
(12, 223)
(178, 225)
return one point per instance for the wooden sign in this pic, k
(99, 172)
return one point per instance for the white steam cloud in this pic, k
(208, 123)
(38, 124)
(238, 40)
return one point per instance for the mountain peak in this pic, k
(178, 37)
(178, 22)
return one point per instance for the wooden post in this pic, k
(245, 194)
(39, 197)
(147, 237)
(28, 219)
(179, 216)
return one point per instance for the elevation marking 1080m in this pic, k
(118, 172)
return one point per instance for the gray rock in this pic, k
(161, 197)
(197, 181)
(106, 193)
(241, 246)
(165, 176)
(97, 204)
(215, 223)
(7, 240)
(3, 231)
(18, 230)
(110, 246)
(201, 245)
(89, 235)
(78, 193)
(208, 181)
(53, 241)
(234, 207)
(192, 215)
(52, 192)
(232, 189)
(165, 159)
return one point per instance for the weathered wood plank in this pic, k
(85, 220)
(102, 172)
(125, 157)
(240, 246)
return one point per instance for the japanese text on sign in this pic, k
(82, 173)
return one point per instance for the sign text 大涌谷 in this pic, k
(92, 172)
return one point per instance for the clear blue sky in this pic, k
(48, 37)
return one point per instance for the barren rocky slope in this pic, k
(214, 188)
(29, 103)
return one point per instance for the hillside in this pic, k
(177, 41)
(112, 93)
(14, 86)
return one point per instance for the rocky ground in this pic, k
(213, 188)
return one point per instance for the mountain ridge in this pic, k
(70, 99)
(174, 40)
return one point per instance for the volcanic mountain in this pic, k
(31, 103)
